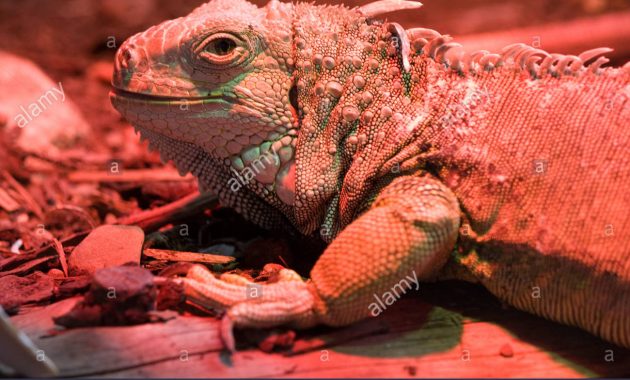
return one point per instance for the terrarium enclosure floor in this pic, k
(448, 329)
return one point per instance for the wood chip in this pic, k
(62, 256)
(16, 291)
(70, 286)
(27, 267)
(129, 175)
(7, 202)
(26, 196)
(153, 219)
(192, 257)
(117, 296)
(506, 351)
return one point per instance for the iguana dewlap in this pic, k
(407, 154)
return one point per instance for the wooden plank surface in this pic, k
(447, 329)
(101, 350)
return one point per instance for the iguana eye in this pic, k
(220, 49)
(223, 50)
(221, 46)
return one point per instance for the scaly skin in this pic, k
(401, 151)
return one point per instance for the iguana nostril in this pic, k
(126, 58)
(130, 61)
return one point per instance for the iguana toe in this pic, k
(289, 301)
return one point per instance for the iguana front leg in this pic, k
(408, 231)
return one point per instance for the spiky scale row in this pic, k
(444, 50)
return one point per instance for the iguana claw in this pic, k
(289, 301)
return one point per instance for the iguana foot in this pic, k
(289, 301)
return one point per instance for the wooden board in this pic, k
(446, 330)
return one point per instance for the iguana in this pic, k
(404, 152)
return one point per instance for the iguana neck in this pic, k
(360, 113)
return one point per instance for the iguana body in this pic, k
(404, 153)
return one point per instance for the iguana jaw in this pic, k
(176, 117)
(118, 96)
(274, 170)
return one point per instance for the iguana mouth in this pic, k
(117, 93)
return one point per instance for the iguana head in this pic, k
(258, 92)
(219, 78)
